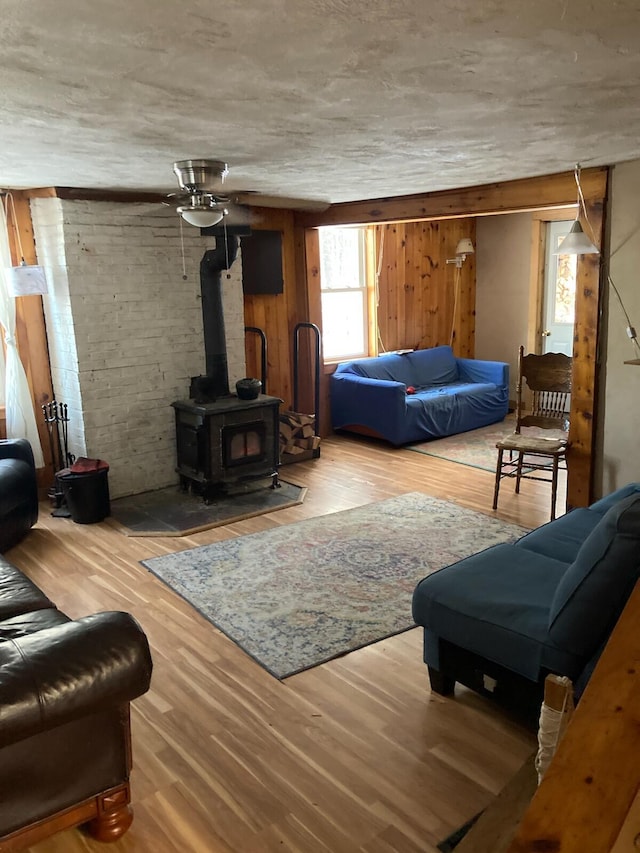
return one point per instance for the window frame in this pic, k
(366, 254)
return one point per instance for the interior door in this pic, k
(558, 304)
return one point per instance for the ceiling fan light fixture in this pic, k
(200, 175)
(201, 217)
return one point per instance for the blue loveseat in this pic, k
(418, 395)
(501, 620)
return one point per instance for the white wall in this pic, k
(618, 455)
(63, 355)
(125, 330)
(503, 261)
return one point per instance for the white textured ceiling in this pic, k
(329, 100)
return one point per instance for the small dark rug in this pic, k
(451, 841)
(172, 512)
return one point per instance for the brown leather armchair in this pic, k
(18, 491)
(65, 689)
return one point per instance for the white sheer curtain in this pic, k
(3, 371)
(21, 420)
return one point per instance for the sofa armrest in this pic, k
(17, 448)
(379, 404)
(66, 672)
(473, 370)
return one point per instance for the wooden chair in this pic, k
(548, 386)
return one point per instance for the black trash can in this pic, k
(86, 494)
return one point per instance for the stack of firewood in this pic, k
(297, 436)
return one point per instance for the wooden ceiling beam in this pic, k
(507, 197)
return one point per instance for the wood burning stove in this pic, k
(221, 439)
(226, 441)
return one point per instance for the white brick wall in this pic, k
(125, 330)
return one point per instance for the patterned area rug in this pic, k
(476, 448)
(301, 594)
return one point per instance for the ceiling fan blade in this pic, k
(240, 214)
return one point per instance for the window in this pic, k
(343, 277)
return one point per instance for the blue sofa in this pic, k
(501, 620)
(452, 395)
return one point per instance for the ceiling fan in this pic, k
(202, 202)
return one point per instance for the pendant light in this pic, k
(576, 242)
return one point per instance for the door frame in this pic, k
(543, 193)
(536, 282)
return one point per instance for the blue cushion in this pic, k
(425, 367)
(438, 413)
(494, 603)
(392, 367)
(458, 389)
(563, 537)
(435, 366)
(608, 501)
(593, 591)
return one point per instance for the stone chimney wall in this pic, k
(125, 330)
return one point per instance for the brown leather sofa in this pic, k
(18, 491)
(65, 689)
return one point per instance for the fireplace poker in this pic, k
(58, 445)
(69, 458)
(49, 421)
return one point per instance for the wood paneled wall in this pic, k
(31, 332)
(276, 314)
(419, 292)
(417, 298)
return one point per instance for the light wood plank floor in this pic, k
(353, 755)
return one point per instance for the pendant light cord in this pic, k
(226, 246)
(456, 288)
(581, 203)
(631, 332)
(184, 267)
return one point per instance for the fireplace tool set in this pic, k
(56, 419)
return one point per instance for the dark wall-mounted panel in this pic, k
(223, 230)
(262, 263)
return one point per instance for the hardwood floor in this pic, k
(353, 755)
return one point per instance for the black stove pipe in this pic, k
(215, 383)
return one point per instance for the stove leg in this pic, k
(275, 481)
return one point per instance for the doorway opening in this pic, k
(559, 292)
